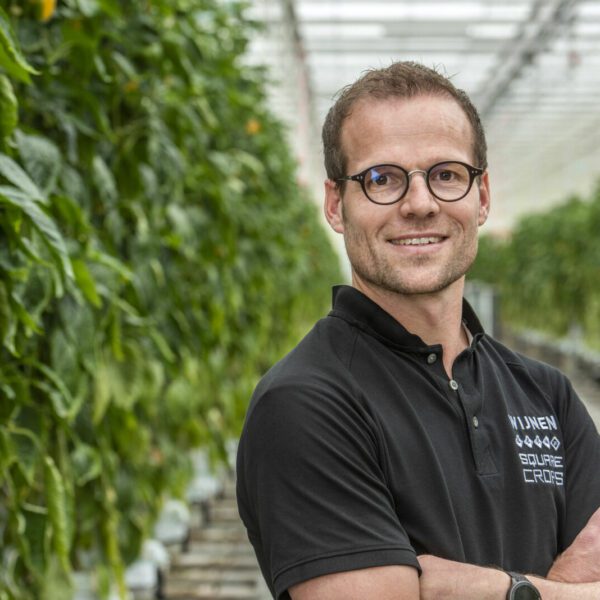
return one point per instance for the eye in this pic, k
(379, 179)
(385, 176)
(446, 175)
(449, 173)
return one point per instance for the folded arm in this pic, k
(377, 583)
(448, 580)
(574, 575)
(580, 562)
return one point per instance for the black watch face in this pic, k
(524, 590)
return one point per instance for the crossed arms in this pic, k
(574, 575)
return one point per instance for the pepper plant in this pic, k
(156, 256)
(548, 270)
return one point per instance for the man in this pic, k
(398, 452)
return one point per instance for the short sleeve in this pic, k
(310, 487)
(582, 469)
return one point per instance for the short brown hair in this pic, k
(404, 79)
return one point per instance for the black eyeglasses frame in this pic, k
(360, 178)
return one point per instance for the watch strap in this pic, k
(516, 578)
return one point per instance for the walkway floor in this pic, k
(219, 563)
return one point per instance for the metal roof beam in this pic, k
(546, 20)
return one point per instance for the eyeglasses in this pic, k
(385, 184)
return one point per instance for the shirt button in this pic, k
(475, 422)
(453, 384)
(431, 358)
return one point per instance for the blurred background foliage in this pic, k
(156, 256)
(548, 271)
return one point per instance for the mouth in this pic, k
(417, 241)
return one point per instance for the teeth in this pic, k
(417, 241)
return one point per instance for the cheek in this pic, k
(357, 218)
(468, 217)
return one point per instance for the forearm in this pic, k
(449, 580)
(557, 590)
(580, 562)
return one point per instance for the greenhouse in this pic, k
(163, 247)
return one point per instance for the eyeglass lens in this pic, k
(387, 183)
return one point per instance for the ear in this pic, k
(484, 199)
(333, 206)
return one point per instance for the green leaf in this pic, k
(110, 530)
(162, 345)
(5, 314)
(71, 213)
(86, 282)
(9, 108)
(42, 223)
(102, 391)
(7, 392)
(35, 531)
(65, 406)
(23, 315)
(7, 452)
(250, 161)
(11, 58)
(17, 524)
(41, 158)
(26, 445)
(87, 464)
(88, 8)
(57, 512)
(9, 339)
(73, 184)
(104, 180)
(116, 337)
(126, 66)
(112, 263)
(56, 586)
(13, 172)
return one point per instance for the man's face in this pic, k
(414, 133)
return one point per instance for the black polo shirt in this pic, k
(359, 451)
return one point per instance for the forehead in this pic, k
(421, 124)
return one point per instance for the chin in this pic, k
(418, 285)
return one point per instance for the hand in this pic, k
(580, 562)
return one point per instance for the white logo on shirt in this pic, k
(534, 439)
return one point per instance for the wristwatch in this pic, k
(521, 588)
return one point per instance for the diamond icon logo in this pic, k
(528, 441)
(519, 441)
(538, 441)
(546, 442)
(555, 443)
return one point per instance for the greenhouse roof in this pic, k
(531, 66)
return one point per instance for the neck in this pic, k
(436, 318)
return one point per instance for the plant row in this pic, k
(548, 270)
(156, 256)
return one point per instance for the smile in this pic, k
(417, 241)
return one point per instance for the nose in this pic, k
(418, 201)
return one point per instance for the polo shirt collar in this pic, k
(353, 306)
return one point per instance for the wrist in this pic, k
(522, 588)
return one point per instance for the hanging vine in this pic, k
(156, 256)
